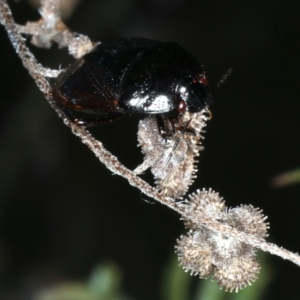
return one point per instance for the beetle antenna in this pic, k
(224, 77)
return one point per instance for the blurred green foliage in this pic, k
(178, 285)
(104, 283)
(286, 178)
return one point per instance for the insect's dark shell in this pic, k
(133, 75)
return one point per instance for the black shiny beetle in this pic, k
(133, 75)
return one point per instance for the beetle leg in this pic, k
(168, 125)
(91, 121)
(179, 127)
(165, 126)
(96, 121)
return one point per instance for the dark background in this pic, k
(62, 212)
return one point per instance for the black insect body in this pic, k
(133, 75)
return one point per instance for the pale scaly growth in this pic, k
(207, 203)
(50, 29)
(172, 159)
(81, 45)
(206, 252)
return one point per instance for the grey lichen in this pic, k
(172, 159)
(206, 252)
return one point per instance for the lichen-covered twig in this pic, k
(210, 224)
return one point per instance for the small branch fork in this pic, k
(51, 29)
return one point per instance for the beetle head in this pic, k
(193, 94)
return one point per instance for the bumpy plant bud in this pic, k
(172, 158)
(202, 203)
(249, 219)
(237, 274)
(195, 254)
(209, 252)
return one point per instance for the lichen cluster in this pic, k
(205, 252)
(172, 158)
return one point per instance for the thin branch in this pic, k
(18, 42)
(38, 72)
(251, 240)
